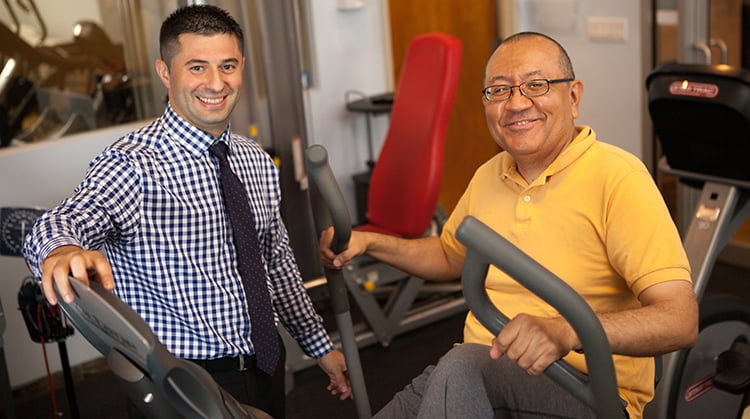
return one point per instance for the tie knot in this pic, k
(219, 149)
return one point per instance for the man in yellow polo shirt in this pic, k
(589, 212)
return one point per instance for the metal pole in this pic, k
(329, 208)
(693, 31)
(6, 405)
(68, 376)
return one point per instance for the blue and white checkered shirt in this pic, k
(152, 201)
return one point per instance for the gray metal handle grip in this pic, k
(485, 247)
(329, 208)
(329, 205)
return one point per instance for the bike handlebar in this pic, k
(485, 247)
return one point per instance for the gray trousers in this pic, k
(467, 383)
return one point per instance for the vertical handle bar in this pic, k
(329, 208)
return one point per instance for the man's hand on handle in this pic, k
(83, 265)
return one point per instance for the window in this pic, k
(64, 67)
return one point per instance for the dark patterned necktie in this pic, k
(250, 264)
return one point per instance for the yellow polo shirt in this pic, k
(596, 219)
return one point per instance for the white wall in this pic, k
(614, 88)
(352, 52)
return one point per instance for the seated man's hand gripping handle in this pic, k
(485, 247)
(329, 209)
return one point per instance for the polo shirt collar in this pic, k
(585, 139)
(573, 151)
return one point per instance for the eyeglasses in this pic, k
(531, 88)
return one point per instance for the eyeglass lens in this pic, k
(529, 88)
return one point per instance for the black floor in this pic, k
(386, 370)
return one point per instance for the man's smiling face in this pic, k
(535, 128)
(204, 80)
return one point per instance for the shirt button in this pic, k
(527, 198)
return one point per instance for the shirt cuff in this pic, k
(316, 344)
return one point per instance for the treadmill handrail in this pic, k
(485, 247)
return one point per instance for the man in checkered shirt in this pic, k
(152, 201)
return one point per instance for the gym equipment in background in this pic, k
(403, 193)
(44, 323)
(701, 115)
(7, 410)
(50, 90)
(403, 201)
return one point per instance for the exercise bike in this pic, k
(161, 385)
(701, 114)
(485, 247)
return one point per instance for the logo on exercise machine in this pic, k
(688, 88)
(699, 388)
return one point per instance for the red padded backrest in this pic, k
(406, 179)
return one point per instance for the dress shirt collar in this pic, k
(195, 140)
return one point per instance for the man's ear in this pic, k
(576, 92)
(162, 70)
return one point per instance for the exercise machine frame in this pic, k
(701, 115)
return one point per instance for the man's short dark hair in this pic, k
(565, 64)
(199, 19)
